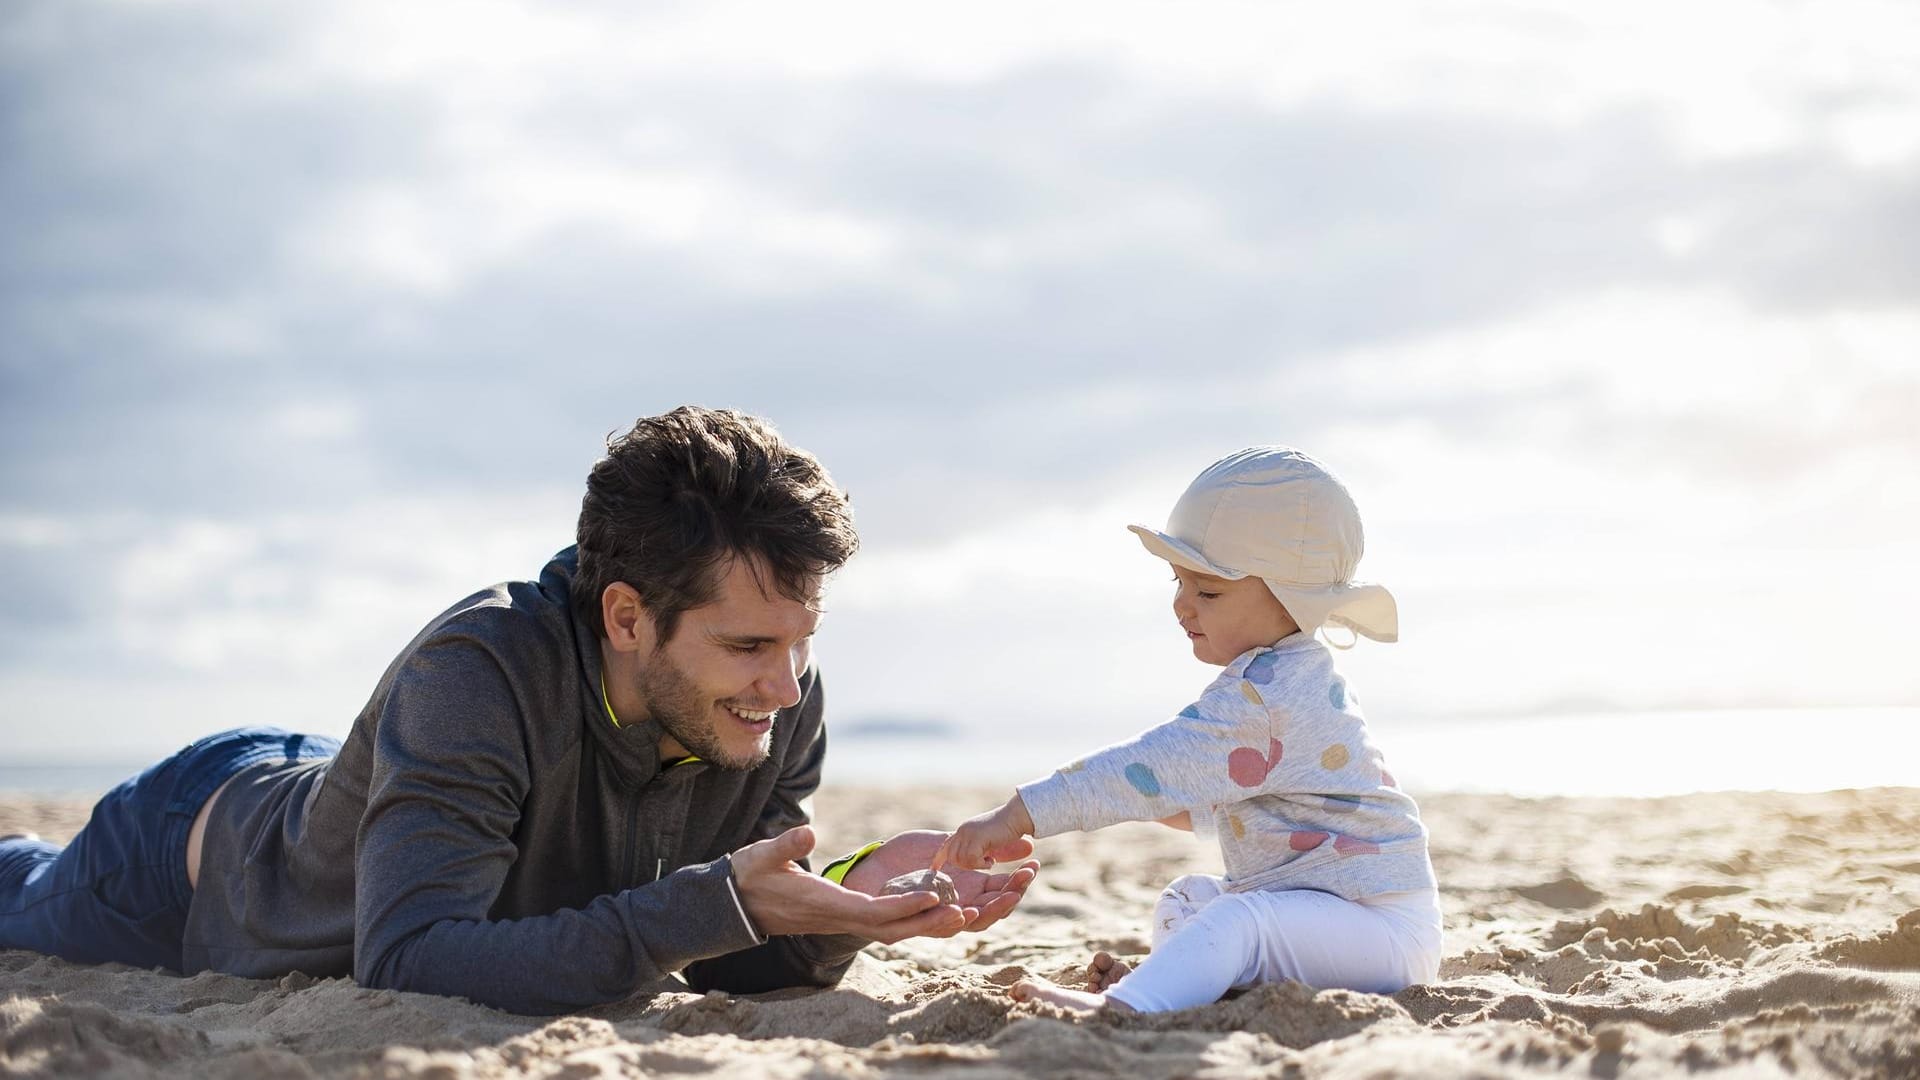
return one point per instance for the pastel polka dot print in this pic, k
(1260, 668)
(1249, 767)
(1141, 776)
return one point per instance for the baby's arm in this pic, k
(1218, 750)
(1205, 755)
(984, 834)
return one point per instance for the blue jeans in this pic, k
(118, 891)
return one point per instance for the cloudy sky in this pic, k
(313, 317)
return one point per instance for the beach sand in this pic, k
(1744, 934)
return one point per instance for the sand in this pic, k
(1739, 934)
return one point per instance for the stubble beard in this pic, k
(687, 715)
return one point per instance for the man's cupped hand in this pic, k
(783, 898)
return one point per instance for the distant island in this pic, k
(884, 726)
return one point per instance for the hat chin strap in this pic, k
(1352, 640)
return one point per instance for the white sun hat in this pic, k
(1275, 513)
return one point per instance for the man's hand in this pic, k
(783, 898)
(988, 896)
(995, 836)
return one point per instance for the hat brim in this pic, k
(1181, 553)
(1360, 606)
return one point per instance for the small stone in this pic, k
(932, 881)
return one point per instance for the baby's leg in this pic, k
(1179, 902)
(1242, 939)
(1194, 961)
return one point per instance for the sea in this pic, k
(1585, 754)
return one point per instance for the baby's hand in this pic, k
(983, 838)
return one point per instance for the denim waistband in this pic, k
(196, 772)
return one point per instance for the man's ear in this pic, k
(629, 627)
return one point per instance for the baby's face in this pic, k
(1225, 618)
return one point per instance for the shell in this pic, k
(932, 881)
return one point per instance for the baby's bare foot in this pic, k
(1104, 970)
(1075, 1000)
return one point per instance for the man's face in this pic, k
(1225, 618)
(716, 684)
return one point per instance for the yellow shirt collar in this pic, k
(608, 705)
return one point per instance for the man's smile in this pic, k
(756, 720)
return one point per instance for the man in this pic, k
(560, 791)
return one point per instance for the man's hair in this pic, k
(682, 495)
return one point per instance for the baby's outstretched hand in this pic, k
(997, 834)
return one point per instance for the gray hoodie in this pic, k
(487, 832)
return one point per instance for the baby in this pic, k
(1327, 877)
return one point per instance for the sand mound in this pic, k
(54, 1038)
(1658, 932)
(1750, 946)
(1898, 948)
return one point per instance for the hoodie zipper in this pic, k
(633, 842)
(628, 877)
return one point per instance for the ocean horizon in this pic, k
(1601, 754)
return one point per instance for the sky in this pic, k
(312, 319)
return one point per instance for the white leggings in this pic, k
(1207, 941)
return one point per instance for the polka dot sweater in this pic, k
(1274, 760)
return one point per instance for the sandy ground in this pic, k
(1741, 934)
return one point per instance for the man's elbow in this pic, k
(401, 963)
(380, 969)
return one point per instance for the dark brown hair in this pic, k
(683, 494)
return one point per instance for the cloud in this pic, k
(302, 305)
